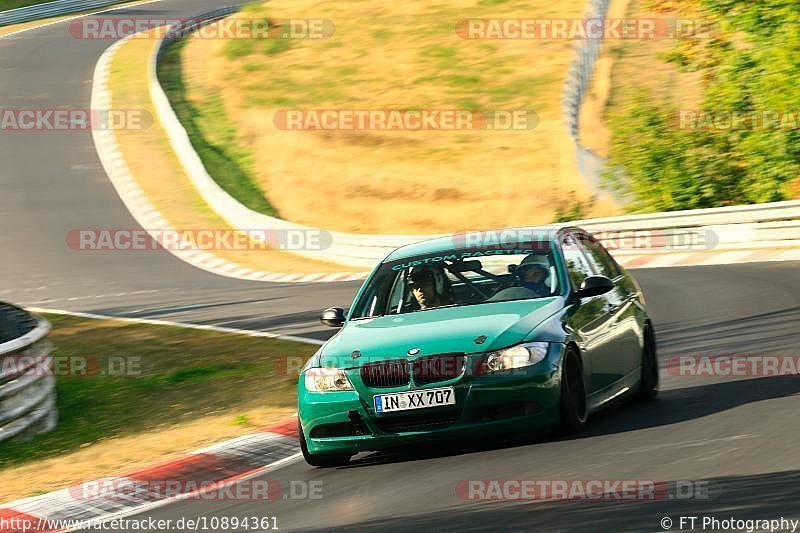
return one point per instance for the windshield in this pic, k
(459, 278)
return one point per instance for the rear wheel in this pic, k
(648, 384)
(321, 461)
(574, 410)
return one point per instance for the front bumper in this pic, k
(492, 404)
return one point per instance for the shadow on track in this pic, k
(764, 496)
(673, 406)
(758, 333)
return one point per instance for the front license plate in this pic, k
(414, 399)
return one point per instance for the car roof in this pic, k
(446, 243)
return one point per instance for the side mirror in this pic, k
(595, 285)
(333, 317)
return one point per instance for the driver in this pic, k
(533, 272)
(430, 286)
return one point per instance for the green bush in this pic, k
(237, 48)
(750, 65)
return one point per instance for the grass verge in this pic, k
(212, 135)
(157, 170)
(149, 392)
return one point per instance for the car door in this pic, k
(591, 322)
(624, 312)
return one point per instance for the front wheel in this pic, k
(321, 461)
(648, 384)
(574, 410)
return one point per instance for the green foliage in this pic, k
(270, 43)
(750, 65)
(276, 46)
(241, 420)
(212, 134)
(573, 209)
(236, 48)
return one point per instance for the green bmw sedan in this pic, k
(477, 334)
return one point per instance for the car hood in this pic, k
(446, 330)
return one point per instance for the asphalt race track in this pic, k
(738, 435)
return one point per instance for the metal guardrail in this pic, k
(50, 9)
(761, 225)
(179, 31)
(579, 80)
(758, 226)
(27, 381)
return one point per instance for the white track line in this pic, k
(156, 322)
(145, 213)
(138, 204)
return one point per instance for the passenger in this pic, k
(533, 272)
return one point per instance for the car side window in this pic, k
(397, 295)
(599, 257)
(578, 266)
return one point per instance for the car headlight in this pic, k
(518, 356)
(327, 380)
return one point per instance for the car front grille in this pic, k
(385, 374)
(418, 421)
(426, 370)
(435, 368)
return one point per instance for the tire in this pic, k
(574, 404)
(321, 461)
(648, 381)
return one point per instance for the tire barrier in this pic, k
(27, 381)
